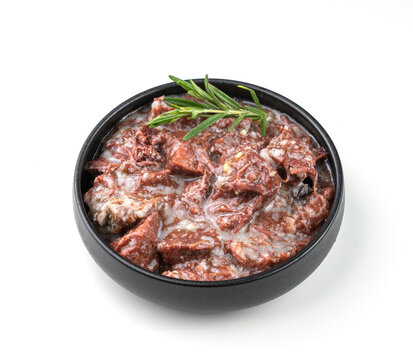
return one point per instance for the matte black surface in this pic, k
(210, 296)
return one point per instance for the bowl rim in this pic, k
(334, 162)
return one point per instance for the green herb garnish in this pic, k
(213, 105)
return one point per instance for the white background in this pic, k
(65, 65)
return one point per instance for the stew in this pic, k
(219, 206)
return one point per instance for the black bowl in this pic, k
(211, 296)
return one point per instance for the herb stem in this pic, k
(213, 105)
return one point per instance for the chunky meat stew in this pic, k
(222, 205)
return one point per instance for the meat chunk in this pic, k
(116, 199)
(293, 155)
(116, 213)
(194, 194)
(158, 107)
(181, 157)
(307, 217)
(245, 135)
(246, 171)
(313, 213)
(101, 166)
(200, 272)
(131, 148)
(181, 245)
(147, 154)
(328, 193)
(302, 221)
(260, 253)
(233, 212)
(246, 181)
(153, 178)
(217, 266)
(138, 245)
(197, 191)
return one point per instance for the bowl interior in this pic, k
(84, 180)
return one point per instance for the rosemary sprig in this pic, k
(213, 105)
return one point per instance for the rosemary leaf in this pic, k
(254, 110)
(195, 95)
(201, 92)
(236, 122)
(224, 97)
(184, 103)
(253, 95)
(263, 123)
(203, 125)
(167, 118)
(211, 93)
(213, 105)
(180, 82)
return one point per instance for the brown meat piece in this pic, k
(212, 268)
(142, 150)
(260, 253)
(244, 135)
(133, 147)
(328, 193)
(133, 181)
(116, 213)
(153, 178)
(194, 194)
(101, 166)
(121, 147)
(303, 219)
(145, 135)
(197, 191)
(146, 153)
(116, 198)
(293, 155)
(147, 147)
(233, 212)
(281, 223)
(246, 171)
(234, 201)
(181, 245)
(138, 245)
(158, 107)
(313, 213)
(181, 157)
(196, 272)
